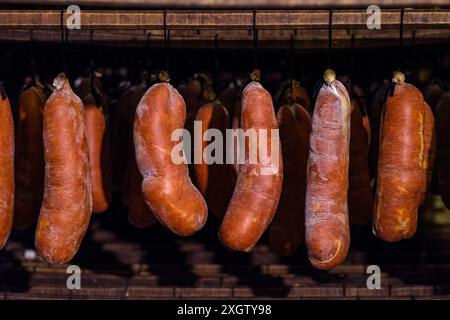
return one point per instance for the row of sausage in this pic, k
(63, 168)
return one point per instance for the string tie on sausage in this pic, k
(164, 76)
(255, 75)
(329, 76)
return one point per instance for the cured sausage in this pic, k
(67, 204)
(429, 150)
(259, 182)
(443, 147)
(99, 156)
(29, 161)
(6, 167)
(216, 180)
(327, 225)
(401, 171)
(360, 198)
(287, 231)
(98, 137)
(166, 185)
(123, 137)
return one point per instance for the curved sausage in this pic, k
(258, 186)
(360, 198)
(429, 150)
(67, 204)
(29, 164)
(215, 181)
(401, 163)
(327, 226)
(166, 185)
(287, 230)
(6, 168)
(443, 147)
(99, 157)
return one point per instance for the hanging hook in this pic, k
(34, 75)
(216, 58)
(166, 42)
(402, 15)
(330, 35)
(63, 42)
(255, 42)
(91, 60)
(291, 62)
(94, 90)
(352, 65)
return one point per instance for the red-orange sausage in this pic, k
(287, 231)
(258, 186)
(67, 204)
(29, 159)
(99, 157)
(166, 185)
(429, 150)
(360, 198)
(215, 181)
(327, 225)
(6, 167)
(443, 147)
(401, 171)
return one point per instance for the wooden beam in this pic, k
(226, 20)
(232, 4)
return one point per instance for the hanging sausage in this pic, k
(327, 225)
(259, 183)
(97, 132)
(360, 198)
(214, 180)
(29, 161)
(6, 167)
(166, 185)
(401, 171)
(287, 231)
(67, 205)
(443, 147)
